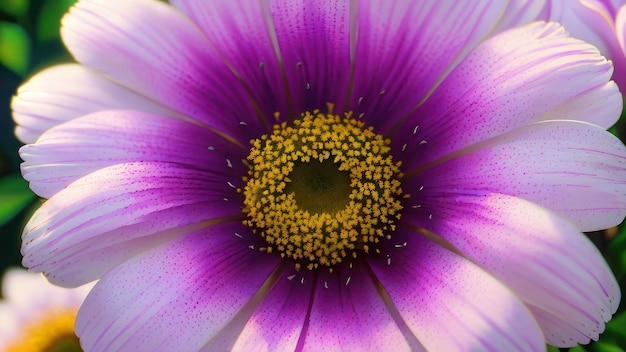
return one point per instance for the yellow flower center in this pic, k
(322, 189)
(53, 331)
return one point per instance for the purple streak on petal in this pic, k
(294, 55)
(620, 26)
(314, 38)
(174, 297)
(405, 48)
(238, 31)
(277, 323)
(590, 20)
(348, 314)
(520, 12)
(114, 213)
(558, 332)
(613, 6)
(545, 259)
(620, 30)
(74, 149)
(310, 43)
(438, 292)
(595, 22)
(64, 92)
(573, 168)
(321, 312)
(154, 49)
(507, 82)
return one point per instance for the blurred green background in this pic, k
(29, 42)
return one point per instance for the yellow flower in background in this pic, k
(36, 315)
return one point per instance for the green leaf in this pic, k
(14, 197)
(601, 346)
(14, 47)
(49, 20)
(15, 8)
(616, 251)
(616, 326)
(614, 335)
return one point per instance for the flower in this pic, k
(599, 22)
(37, 316)
(308, 175)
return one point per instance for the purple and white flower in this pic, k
(457, 170)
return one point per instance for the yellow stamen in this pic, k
(322, 189)
(53, 331)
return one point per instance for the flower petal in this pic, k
(341, 311)
(114, 213)
(577, 16)
(598, 106)
(10, 324)
(154, 49)
(573, 168)
(521, 12)
(589, 20)
(552, 267)
(510, 80)
(24, 291)
(300, 49)
(43, 102)
(351, 299)
(74, 149)
(315, 52)
(595, 23)
(405, 49)
(278, 321)
(620, 27)
(174, 297)
(451, 304)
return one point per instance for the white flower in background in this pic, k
(36, 315)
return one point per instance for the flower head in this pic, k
(307, 175)
(37, 316)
